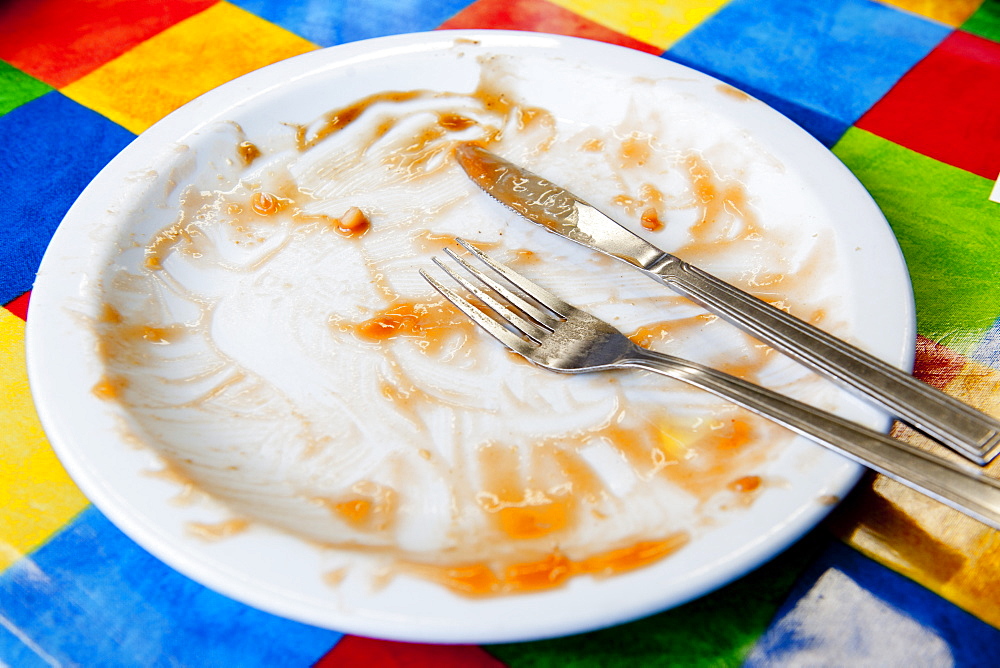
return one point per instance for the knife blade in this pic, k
(964, 429)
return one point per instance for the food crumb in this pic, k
(651, 220)
(335, 577)
(353, 223)
(265, 204)
(732, 92)
(747, 483)
(109, 387)
(220, 530)
(248, 151)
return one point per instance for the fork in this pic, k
(555, 335)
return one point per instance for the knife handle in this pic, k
(969, 432)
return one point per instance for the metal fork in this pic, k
(558, 336)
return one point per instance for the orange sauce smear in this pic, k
(635, 151)
(524, 256)
(399, 320)
(455, 121)
(431, 322)
(712, 469)
(427, 242)
(371, 508)
(521, 512)
(174, 473)
(339, 119)
(164, 241)
(534, 521)
(647, 205)
(416, 155)
(540, 499)
(495, 99)
(119, 337)
(109, 314)
(551, 571)
(241, 216)
(665, 332)
(699, 462)
(720, 200)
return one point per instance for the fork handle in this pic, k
(969, 432)
(964, 488)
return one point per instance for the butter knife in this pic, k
(969, 432)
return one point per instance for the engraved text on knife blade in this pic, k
(541, 201)
(556, 209)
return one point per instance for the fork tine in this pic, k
(525, 326)
(541, 295)
(540, 315)
(492, 327)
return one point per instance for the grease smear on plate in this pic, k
(268, 335)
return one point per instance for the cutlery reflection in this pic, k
(969, 432)
(557, 336)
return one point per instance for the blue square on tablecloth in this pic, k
(848, 610)
(92, 597)
(340, 21)
(52, 147)
(988, 350)
(823, 64)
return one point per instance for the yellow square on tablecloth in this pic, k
(660, 24)
(948, 552)
(951, 12)
(37, 497)
(190, 58)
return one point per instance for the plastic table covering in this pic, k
(906, 93)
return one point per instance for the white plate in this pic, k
(587, 87)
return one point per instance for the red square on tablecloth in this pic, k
(59, 42)
(358, 651)
(948, 106)
(936, 364)
(19, 305)
(539, 16)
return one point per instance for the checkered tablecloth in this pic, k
(905, 92)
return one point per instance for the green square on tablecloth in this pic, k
(948, 229)
(986, 21)
(16, 87)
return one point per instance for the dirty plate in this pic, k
(279, 315)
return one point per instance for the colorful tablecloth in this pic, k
(905, 92)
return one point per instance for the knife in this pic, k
(969, 432)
